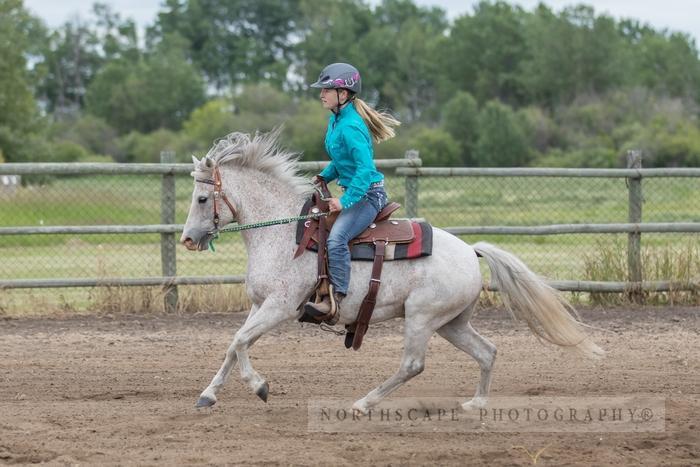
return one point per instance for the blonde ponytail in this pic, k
(380, 124)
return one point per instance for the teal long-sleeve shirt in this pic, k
(349, 146)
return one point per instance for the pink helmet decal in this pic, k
(339, 75)
(346, 82)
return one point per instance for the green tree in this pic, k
(393, 46)
(669, 65)
(18, 117)
(483, 53)
(233, 41)
(118, 37)
(402, 44)
(569, 54)
(158, 91)
(501, 141)
(333, 31)
(72, 54)
(415, 87)
(459, 119)
(71, 58)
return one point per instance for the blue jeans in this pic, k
(351, 222)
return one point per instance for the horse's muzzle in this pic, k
(200, 245)
(189, 244)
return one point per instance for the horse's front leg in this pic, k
(271, 313)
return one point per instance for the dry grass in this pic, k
(121, 300)
(679, 263)
(213, 298)
(191, 299)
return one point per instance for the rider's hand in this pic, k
(334, 205)
(316, 179)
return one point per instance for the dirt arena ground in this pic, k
(120, 390)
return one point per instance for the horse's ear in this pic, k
(208, 162)
(195, 161)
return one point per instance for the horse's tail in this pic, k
(529, 298)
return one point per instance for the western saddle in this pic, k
(380, 233)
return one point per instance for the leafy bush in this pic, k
(540, 129)
(263, 99)
(100, 158)
(502, 141)
(92, 133)
(138, 147)
(669, 141)
(595, 157)
(396, 147)
(210, 121)
(460, 120)
(305, 131)
(67, 151)
(436, 147)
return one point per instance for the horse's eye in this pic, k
(202, 199)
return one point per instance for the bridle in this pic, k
(218, 193)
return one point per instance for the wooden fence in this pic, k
(408, 167)
(634, 228)
(167, 229)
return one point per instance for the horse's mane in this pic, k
(262, 152)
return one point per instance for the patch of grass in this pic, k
(671, 262)
(121, 300)
(213, 298)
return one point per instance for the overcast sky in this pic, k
(675, 15)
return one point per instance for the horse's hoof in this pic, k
(204, 402)
(475, 403)
(263, 391)
(361, 407)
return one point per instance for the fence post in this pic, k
(634, 239)
(167, 240)
(412, 188)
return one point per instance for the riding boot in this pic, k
(327, 310)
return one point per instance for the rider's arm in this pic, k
(359, 147)
(329, 173)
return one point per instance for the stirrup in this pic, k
(313, 315)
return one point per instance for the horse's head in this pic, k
(258, 173)
(206, 213)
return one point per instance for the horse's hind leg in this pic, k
(460, 333)
(421, 321)
(415, 346)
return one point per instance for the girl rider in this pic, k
(352, 128)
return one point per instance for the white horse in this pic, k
(436, 293)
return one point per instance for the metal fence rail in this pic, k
(97, 224)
